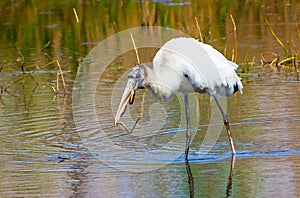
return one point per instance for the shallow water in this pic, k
(51, 148)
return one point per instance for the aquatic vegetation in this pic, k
(297, 24)
(246, 67)
(289, 61)
(29, 71)
(71, 32)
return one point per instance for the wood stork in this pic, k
(185, 65)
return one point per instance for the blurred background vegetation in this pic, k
(34, 33)
(30, 24)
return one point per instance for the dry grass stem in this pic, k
(76, 16)
(270, 55)
(57, 83)
(47, 44)
(49, 63)
(290, 59)
(198, 30)
(60, 73)
(233, 57)
(135, 49)
(275, 61)
(235, 52)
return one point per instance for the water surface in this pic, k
(44, 154)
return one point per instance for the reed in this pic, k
(234, 51)
(25, 72)
(76, 15)
(61, 75)
(77, 28)
(246, 68)
(296, 60)
(135, 49)
(289, 60)
(297, 68)
(286, 51)
(297, 24)
(199, 30)
(2, 66)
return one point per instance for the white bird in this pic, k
(185, 65)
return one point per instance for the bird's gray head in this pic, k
(136, 80)
(136, 77)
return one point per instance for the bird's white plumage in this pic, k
(205, 67)
(185, 65)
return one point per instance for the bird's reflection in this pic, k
(230, 177)
(191, 178)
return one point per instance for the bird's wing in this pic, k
(205, 66)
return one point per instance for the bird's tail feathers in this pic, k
(233, 64)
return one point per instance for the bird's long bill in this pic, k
(127, 98)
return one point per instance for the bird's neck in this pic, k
(159, 89)
(149, 75)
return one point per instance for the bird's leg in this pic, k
(188, 124)
(226, 123)
(187, 145)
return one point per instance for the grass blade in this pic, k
(286, 51)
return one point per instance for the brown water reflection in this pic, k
(42, 153)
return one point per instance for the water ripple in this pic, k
(240, 154)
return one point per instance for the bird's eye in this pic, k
(138, 75)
